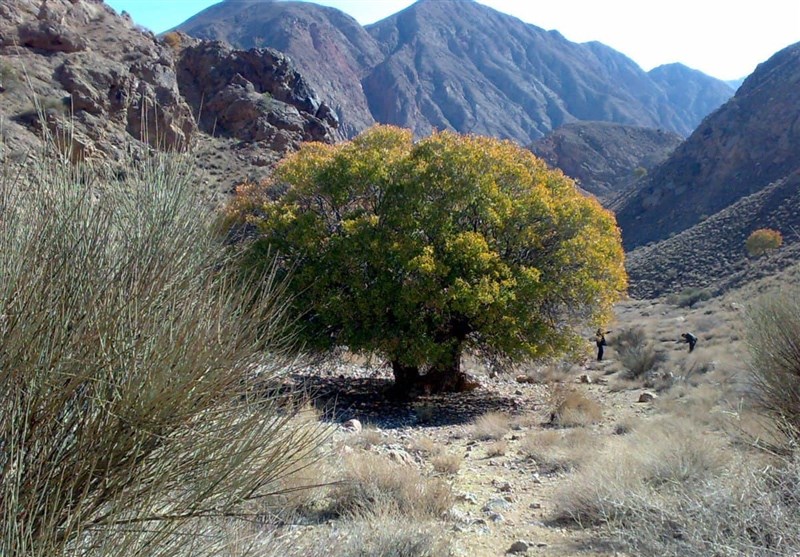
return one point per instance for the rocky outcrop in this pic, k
(104, 87)
(605, 158)
(252, 95)
(750, 142)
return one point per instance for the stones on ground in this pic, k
(518, 546)
(502, 485)
(647, 397)
(401, 456)
(496, 504)
(585, 379)
(353, 426)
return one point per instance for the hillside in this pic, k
(111, 89)
(453, 64)
(747, 144)
(711, 255)
(605, 158)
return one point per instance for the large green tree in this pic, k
(420, 251)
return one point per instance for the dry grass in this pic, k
(386, 534)
(641, 468)
(425, 446)
(498, 448)
(773, 336)
(447, 463)
(371, 482)
(570, 407)
(559, 451)
(132, 353)
(492, 426)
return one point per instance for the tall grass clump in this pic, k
(130, 356)
(773, 336)
(637, 354)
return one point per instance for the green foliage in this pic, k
(419, 250)
(763, 240)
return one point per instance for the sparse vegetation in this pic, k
(762, 241)
(773, 336)
(132, 358)
(492, 426)
(571, 408)
(688, 297)
(637, 354)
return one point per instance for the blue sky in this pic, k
(723, 38)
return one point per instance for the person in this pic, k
(690, 339)
(600, 340)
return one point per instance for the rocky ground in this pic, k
(510, 445)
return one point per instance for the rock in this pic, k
(50, 36)
(647, 397)
(518, 546)
(523, 379)
(495, 516)
(353, 426)
(467, 497)
(493, 505)
(401, 457)
(502, 485)
(585, 379)
(535, 505)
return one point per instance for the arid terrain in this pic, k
(525, 457)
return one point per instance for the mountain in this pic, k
(748, 143)
(603, 157)
(698, 93)
(454, 64)
(86, 73)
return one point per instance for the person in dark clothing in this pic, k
(600, 340)
(690, 339)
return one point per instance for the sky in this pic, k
(721, 38)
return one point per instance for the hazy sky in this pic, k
(722, 38)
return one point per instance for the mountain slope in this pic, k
(605, 157)
(450, 64)
(748, 143)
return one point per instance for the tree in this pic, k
(763, 240)
(420, 251)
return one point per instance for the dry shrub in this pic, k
(637, 354)
(425, 446)
(559, 451)
(492, 426)
(498, 448)
(570, 407)
(639, 469)
(773, 337)
(132, 360)
(371, 483)
(387, 534)
(447, 463)
(367, 438)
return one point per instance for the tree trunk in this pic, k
(445, 376)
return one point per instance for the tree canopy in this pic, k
(418, 251)
(763, 240)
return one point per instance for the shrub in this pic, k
(491, 426)
(688, 297)
(773, 338)
(762, 240)
(570, 407)
(130, 362)
(373, 483)
(636, 354)
(173, 39)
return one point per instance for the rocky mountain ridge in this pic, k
(455, 64)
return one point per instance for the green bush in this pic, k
(129, 362)
(763, 240)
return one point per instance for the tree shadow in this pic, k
(371, 401)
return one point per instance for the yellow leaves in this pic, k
(401, 242)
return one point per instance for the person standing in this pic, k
(690, 339)
(600, 340)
